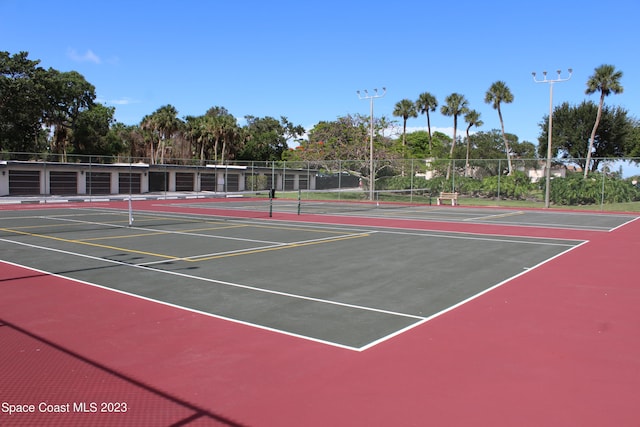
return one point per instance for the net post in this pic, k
(130, 212)
(299, 197)
(271, 202)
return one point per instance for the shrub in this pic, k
(469, 186)
(514, 186)
(575, 190)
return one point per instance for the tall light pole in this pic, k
(549, 130)
(371, 97)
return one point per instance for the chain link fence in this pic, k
(614, 185)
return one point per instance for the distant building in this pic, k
(557, 171)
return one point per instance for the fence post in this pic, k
(89, 178)
(284, 176)
(453, 176)
(499, 176)
(604, 174)
(273, 175)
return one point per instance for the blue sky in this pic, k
(306, 59)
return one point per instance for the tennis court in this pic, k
(295, 286)
(426, 212)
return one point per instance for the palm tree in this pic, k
(220, 123)
(167, 123)
(197, 132)
(209, 129)
(605, 80)
(473, 119)
(455, 104)
(498, 93)
(425, 103)
(163, 123)
(148, 126)
(405, 109)
(230, 133)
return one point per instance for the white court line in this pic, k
(628, 222)
(501, 215)
(420, 320)
(156, 230)
(457, 218)
(465, 301)
(270, 244)
(259, 248)
(549, 226)
(451, 234)
(219, 282)
(543, 241)
(192, 310)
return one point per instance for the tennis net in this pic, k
(338, 201)
(81, 220)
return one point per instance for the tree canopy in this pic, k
(572, 127)
(498, 94)
(55, 112)
(606, 80)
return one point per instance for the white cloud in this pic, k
(88, 56)
(121, 101)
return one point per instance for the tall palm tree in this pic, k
(167, 123)
(198, 129)
(220, 123)
(209, 130)
(148, 127)
(230, 133)
(605, 80)
(473, 119)
(162, 123)
(455, 104)
(425, 103)
(498, 93)
(405, 109)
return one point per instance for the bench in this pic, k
(448, 196)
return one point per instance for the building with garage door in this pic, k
(34, 178)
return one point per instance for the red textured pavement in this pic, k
(558, 346)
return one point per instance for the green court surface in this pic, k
(346, 286)
(574, 220)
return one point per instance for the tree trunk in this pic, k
(466, 164)
(162, 147)
(593, 136)
(453, 146)
(506, 143)
(404, 143)
(429, 130)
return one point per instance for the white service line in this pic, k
(219, 282)
(159, 231)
